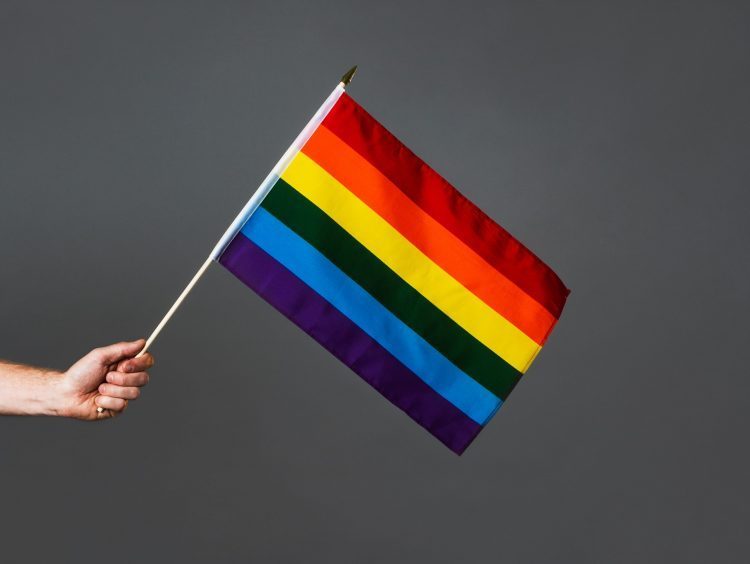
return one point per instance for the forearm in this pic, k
(26, 390)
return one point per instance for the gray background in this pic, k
(611, 138)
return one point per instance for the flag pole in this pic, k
(255, 200)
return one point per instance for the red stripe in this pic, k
(430, 191)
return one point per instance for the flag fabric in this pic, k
(377, 257)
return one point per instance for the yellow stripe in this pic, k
(406, 260)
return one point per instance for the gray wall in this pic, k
(611, 138)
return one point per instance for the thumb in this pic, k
(118, 351)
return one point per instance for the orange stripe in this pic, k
(443, 247)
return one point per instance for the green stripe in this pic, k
(416, 311)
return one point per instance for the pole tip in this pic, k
(347, 78)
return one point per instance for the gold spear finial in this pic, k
(347, 78)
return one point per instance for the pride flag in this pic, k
(378, 258)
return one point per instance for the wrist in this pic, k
(61, 400)
(51, 397)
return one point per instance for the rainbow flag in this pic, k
(390, 268)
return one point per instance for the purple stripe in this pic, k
(337, 333)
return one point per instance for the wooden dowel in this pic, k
(173, 309)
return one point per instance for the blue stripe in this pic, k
(325, 278)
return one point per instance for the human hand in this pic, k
(107, 377)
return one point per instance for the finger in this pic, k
(113, 404)
(113, 353)
(122, 392)
(138, 364)
(126, 379)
